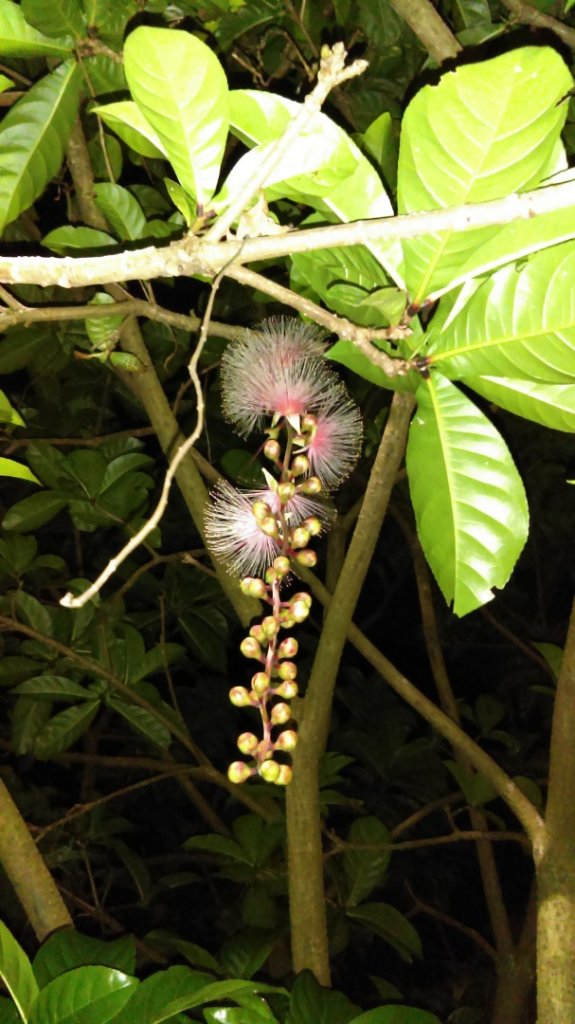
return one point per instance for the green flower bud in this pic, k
(299, 465)
(250, 648)
(257, 588)
(239, 772)
(312, 485)
(271, 576)
(281, 565)
(312, 525)
(287, 670)
(288, 648)
(269, 526)
(300, 537)
(240, 697)
(302, 595)
(257, 632)
(287, 690)
(247, 742)
(309, 422)
(269, 771)
(260, 510)
(287, 740)
(260, 683)
(299, 610)
(284, 775)
(272, 450)
(270, 627)
(306, 557)
(286, 491)
(281, 713)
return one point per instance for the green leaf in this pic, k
(16, 973)
(218, 844)
(103, 331)
(71, 237)
(9, 1013)
(254, 1011)
(15, 668)
(181, 88)
(33, 512)
(15, 469)
(34, 612)
(85, 995)
(346, 353)
(484, 131)
(551, 405)
(62, 731)
(471, 511)
(66, 949)
(33, 136)
(244, 954)
(19, 39)
(180, 200)
(166, 942)
(381, 143)
(8, 413)
(391, 925)
(310, 1002)
(143, 721)
(365, 869)
(55, 17)
(52, 688)
(476, 788)
(128, 121)
(258, 118)
(29, 717)
(121, 209)
(19, 348)
(520, 323)
(396, 1015)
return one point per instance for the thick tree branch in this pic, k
(191, 255)
(429, 27)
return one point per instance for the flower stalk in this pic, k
(275, 379)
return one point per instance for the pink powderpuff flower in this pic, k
(234, 534)
(277, 368)
(336, 439)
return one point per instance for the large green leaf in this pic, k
(259, 118)
(121, 209)
(85, 995)
(346, 353)
(16, 973)
(552, 405)
(520, 323)
(470, 506)
(63, 729)
(311, 1002)
(15, 469)
(396, 1015)
(181, 88)
(19, 39)
(391, 925)
(52, 688)
(128, 121)
(484, 131)
(143, 721)
(365, 868)
(63, 950)
(33, 137)
(513, 241)
(55, 17)
(33, 512)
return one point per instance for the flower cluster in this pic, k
(276, 379)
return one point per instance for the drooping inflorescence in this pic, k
(276, 379)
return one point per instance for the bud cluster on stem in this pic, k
(277, 373)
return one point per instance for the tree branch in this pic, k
(429, 27)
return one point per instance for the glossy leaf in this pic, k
(19, 348)
(72, 237)
(128, 121)
(55, 17)
(396, 1015)
(63, 729)
(86, 995)
(484, 131)
(33, 512)
(391, 925)
(520, 323)
(346, 353)
(258, 118)
(8, 413)
(244, 954)
(471, 511)
(254, 1011)
(310, 1001)
(121, 209)
(364, 868)
(33, 136)
(143, 721)
(181, 88)
(16, 973)
(8, 467)
(66, 949)
(19, 39)
(551, 405)
(52, 688)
